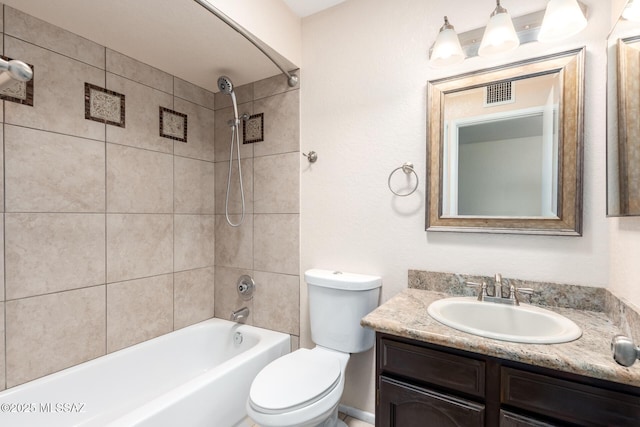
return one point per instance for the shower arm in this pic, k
(292, 79)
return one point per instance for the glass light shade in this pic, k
(562, 19)
(632, 11)
(499, 36)
(446, 50)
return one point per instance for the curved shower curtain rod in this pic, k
(292, 79)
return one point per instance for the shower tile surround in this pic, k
(266, 246)
(115, 235)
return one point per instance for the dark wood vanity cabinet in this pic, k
(420, 384)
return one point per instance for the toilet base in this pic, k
(333, 420)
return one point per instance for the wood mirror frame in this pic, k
(570, 68)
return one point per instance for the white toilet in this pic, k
(303, 388)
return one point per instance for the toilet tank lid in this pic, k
(341, 280)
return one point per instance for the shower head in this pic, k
(18, 70)
(225, 85)
(12, 71)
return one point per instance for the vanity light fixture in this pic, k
(504, 34)
(499, 35)
(631, 11)
(562, 19)
(446, 50)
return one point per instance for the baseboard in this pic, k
(367, 417)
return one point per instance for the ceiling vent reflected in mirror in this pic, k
(498, 94)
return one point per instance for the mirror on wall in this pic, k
(505, 148)
(623, 111)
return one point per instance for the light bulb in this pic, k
(446, 49)
(499, 35)
(562, 19)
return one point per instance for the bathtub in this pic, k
(196, 376)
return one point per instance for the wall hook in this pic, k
(312, 156)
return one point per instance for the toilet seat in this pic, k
(294, 381)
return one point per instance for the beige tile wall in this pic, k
(266, 245)
(107, 235)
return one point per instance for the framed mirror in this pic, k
(623, 127)
(504, 149)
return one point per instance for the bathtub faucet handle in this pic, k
(246, 286)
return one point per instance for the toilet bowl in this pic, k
(303, 388)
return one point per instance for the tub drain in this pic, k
(237, 338)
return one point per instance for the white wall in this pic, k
(624, 235)
(624, 280)
(271, 21)
(363, 101)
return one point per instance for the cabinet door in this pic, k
(403, 405)
(509, 419)
(568, 401)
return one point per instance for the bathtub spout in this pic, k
(240, 316)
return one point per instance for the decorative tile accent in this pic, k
(19, 92)
(173, 125)
(104, 106)
(253, 129)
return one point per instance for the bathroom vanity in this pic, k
(430, 374)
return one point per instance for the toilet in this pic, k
(303, 388)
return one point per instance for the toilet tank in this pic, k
(337, 302)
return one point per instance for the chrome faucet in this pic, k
(240, 315)
(497, 287)
(497, 296)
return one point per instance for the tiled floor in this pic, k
(351, 422)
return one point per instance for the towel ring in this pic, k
(407, 168)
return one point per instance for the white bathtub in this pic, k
(196, 376)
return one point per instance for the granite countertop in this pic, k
(405, 315)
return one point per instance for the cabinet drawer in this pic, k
(431, 366)
(568, 401)
(404, 405)
(509, 419)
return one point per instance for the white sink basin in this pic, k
(524, 323)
